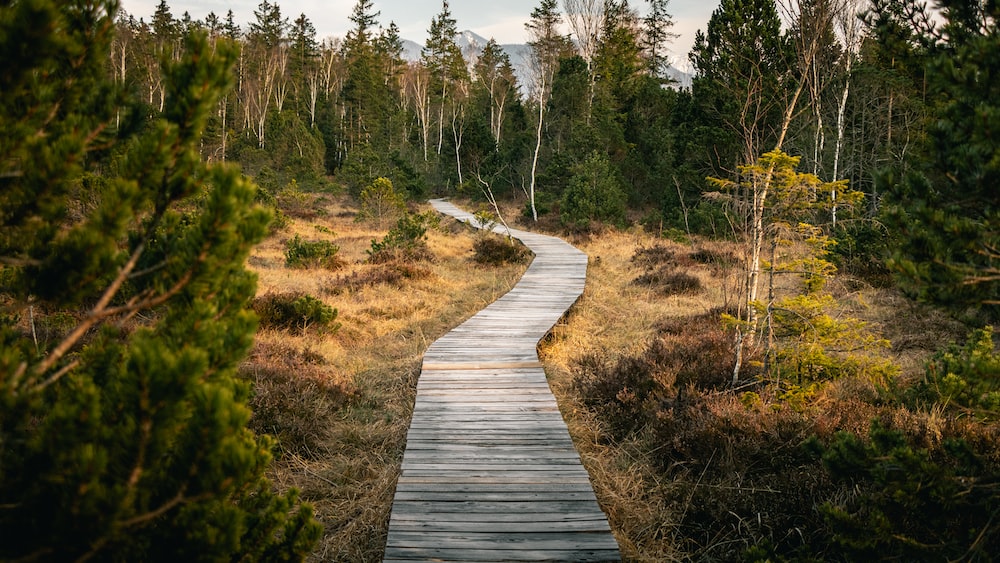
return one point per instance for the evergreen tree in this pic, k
(268, 27)
(443, 58)
(123, 434)
(739, 61)
(548, 46)
(657, 33)
(947, 214)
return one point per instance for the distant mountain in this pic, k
(472, 46)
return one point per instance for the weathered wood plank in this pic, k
(490, 472)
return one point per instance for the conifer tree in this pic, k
(444, 60)
(947, 213)
(122, 425)
(657, 33)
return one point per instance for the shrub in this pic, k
(294, 399)
(407, 240)
(381, 202)
(911, 505)
(294, 311)
(651, 256)
(966, 377)
(301, 253)
(394, 272)
(670, 281)
(496, 250)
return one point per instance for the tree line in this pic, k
(596, 132)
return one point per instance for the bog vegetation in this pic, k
(217, 278)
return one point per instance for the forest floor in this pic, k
(339, 400)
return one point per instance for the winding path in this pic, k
(489, 472)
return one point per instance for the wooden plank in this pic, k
(490, 472)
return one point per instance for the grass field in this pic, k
(707, 473)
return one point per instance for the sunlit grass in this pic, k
(345, 456)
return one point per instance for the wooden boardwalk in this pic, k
(490, 472)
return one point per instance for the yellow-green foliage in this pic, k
(381, 203)
(805, 339)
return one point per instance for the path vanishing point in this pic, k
(489, 472)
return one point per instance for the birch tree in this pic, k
(547, 47)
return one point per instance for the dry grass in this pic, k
(343, 400)
(665, 488)
(340, 402)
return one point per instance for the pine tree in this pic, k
(739, 61)
(657, 33)
(947, 213)
(122, 425)
(444, 60)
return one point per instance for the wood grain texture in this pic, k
(490, 472)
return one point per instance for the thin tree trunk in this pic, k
(538, 148)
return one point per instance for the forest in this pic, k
(218, 272)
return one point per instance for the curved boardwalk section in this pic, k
(490, 472)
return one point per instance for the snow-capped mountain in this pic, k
(472, 45)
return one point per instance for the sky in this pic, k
(502, 20)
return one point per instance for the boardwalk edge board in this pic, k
(490, 472)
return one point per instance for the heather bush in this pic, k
(495, 250)
(294, 398)
(669, 281)
(393, 272)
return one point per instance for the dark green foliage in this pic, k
(406, 240)
(124, 433)
(301, 253)
(594, 193)
(947, 213)
(964, 377)
(294, 311)
(911, 504)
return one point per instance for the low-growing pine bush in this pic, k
(294, 311)
(407, 240)
(301, 253)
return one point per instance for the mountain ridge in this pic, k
(472, 45)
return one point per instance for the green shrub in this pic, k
(380, 202)
(966, 377)
(910, 504)
(301, 253)
(294, 311)
(407, 240)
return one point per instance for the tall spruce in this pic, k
(122, 424)
(657, 28)
(443, 58)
